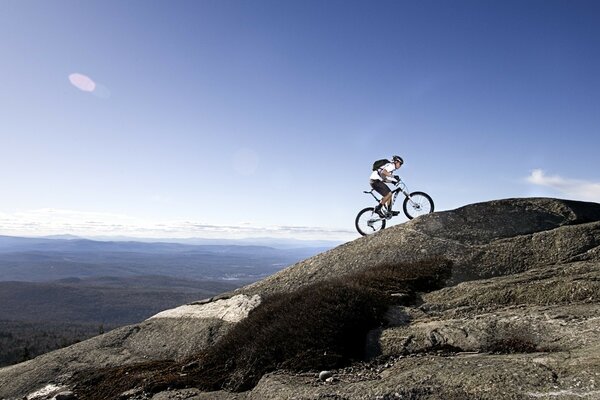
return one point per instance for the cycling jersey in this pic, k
(376, 175)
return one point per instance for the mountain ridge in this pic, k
(53, 259)
(278, 243)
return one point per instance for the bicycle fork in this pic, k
(414, 204)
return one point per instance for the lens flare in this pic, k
(82, 82)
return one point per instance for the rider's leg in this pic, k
(378, 210)
(384, 191)
(388, 204)
(387, 200)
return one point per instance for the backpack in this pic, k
(380, 163)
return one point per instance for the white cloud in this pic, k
(82, 82)
(572, 188)
(50, 221)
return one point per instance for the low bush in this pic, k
(512, 340)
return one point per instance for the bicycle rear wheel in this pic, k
(416, 204)
(368, 221)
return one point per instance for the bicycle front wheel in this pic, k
(416, 204)
(368, 221)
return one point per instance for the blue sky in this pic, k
(262, 118)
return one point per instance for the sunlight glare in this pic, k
(82, 82)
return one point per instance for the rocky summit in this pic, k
(495, 300)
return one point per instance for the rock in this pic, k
(483, 240)
(506, 311)
(66, 395)
(324, 375)
(232, 309)
(190, 366)
(44, 392)
(131, 393)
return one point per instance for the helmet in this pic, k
(398, 158)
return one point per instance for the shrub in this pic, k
(512, 340)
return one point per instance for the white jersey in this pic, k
(390, 167)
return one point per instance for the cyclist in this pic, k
(378, 180)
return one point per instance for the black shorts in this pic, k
(380, 187)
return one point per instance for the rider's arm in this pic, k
(385, 173)
(387, 176)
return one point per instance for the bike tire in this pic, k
(365, 216)
(421, 204)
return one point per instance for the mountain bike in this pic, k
(414, 205)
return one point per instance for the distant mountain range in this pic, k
(49, 259)
(279, 243)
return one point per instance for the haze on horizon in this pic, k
(236, 119)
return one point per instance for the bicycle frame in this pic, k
(400, 189)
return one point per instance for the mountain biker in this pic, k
(378, 180)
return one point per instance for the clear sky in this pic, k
(221, 118)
